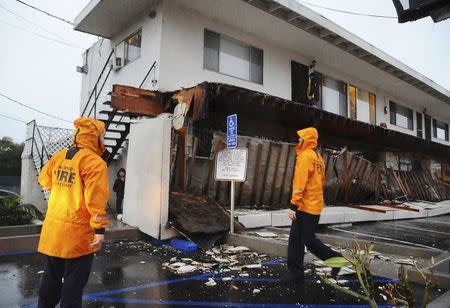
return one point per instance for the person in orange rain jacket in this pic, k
(306, 205)
(76, 219)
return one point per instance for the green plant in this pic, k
(361, 264)
(400, 295)
(14, 212)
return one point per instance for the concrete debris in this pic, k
(244, 275)
(342, 281)
(256, 291)
(266, 234)
(142, 262)
(253, 265)
(40, 272)
(323, 270)
(346, 271)
(236, 268)
(226, 278)
(186, 269)
(319, 263)
(237, 249)
(186, 260)
(177, 264)
(211, 283)
(404, 261)
(308, 271)
(221, 260)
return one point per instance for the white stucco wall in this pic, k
(175, 38)
(146, 202)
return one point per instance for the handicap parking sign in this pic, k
(232, 131)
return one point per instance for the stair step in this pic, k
(114, 138)
(116, 122)
(114, 130)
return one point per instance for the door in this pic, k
(299, 80)
(427, 127)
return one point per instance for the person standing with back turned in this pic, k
(76, 219)
(306, 205)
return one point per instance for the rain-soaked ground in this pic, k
(432, 232)
(138, 274)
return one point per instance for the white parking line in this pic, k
(415, 228)
(386, 238)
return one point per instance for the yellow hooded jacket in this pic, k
(309, 175)
(78, 181)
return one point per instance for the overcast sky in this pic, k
(41, 73)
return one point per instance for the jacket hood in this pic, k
(88, 134)
(310, 137)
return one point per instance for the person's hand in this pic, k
(98, 242)
(292, 215)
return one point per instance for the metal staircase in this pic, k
(98, 106)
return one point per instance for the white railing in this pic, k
(42, 142)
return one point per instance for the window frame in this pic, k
(344, 111)
(125, 52)
(436, 124)
(393, 115)
(353, 106)
(236, 41)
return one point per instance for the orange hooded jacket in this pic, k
(78, 181)
(309, 175)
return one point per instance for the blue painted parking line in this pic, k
(221, 304)
(16, 253)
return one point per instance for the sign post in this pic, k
(231, 163)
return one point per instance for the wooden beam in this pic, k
(138, 101)
(256, 174)
(266, 171)
(286, 165)
(241, 185)
(274, 181)
(365, 208)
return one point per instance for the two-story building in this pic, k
(376, 106)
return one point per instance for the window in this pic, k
(334, 96)
(401, 116)
(419, 125)
(440, 130)
(362, 105)
(231, 57)
(133, 47)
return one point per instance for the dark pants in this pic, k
(75, 273)
(303, 232)
(119, 201)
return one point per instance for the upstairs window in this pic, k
(440, 130)
(401, 116)
(133, 47)
(334, 96)
(362, 105)
(231, 57)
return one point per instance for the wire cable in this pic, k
(348, 12)
(34, 109)
(31, 22)
(45, 12)
(43, 36)
(11, 118)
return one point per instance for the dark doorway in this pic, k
(427, 127)
(419, 125)
(299, 79)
